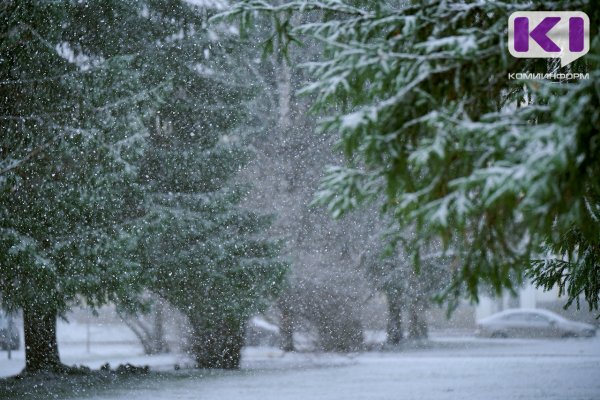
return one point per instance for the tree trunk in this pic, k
(41, 347)
(218, 347)
(287, 326)
(159, 342)
(149, 329)
(394, 325)
(417, 325)
(284, 91)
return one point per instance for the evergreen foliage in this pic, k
(72, 131)
(502, 172)
(115, 145)
(200, 248)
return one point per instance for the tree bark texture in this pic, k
(218, 346)
(395, 333)
(41, 347)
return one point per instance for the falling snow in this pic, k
(294, 199)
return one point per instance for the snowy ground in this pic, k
(457, 369)
(451, 368)
(112, 343)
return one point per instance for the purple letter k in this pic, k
(539, 34)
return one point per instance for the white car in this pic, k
(531, 323)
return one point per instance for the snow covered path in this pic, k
(455, 369)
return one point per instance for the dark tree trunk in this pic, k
(394, 325)
(287, 326)
(218, 347)
(41, 348)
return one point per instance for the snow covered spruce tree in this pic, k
(71, 121)
(503, 172)
(202, 250)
